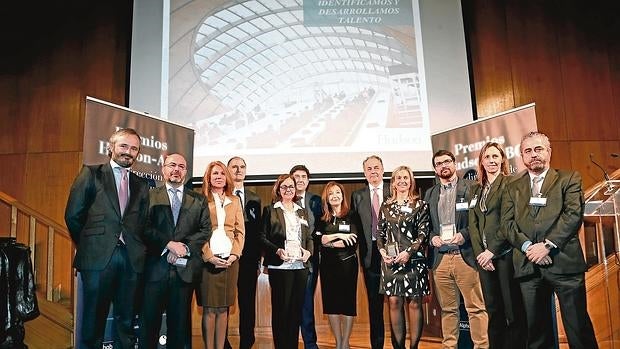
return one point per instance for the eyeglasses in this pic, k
(287, 187)
(444, 163)
(173, 165)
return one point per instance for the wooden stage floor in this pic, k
(359, 340)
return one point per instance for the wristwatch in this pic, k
(548, 245)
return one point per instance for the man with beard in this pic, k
(178, 225)
(250, 257)
(105, 216)
(454, 265)
(542, 211)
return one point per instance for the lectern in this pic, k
(602, 222)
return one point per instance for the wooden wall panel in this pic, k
(534, 58)
(582, 34)
(493, 78)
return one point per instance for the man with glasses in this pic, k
(105, 216)
(178, 225)
(454, 265)
(542, 211)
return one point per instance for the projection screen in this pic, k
(320, 82)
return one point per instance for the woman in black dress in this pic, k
(403, 237)
(338, 263)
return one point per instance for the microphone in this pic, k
(610, 187)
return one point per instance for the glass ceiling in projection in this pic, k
(251, 55)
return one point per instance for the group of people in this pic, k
(503, 244)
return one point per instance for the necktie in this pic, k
(375, 212)
(123, 190)
(238, 193)
(176, 204)
(536, 186)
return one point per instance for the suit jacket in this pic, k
(95, 222)
(361, 205)
(559, 221)
(273, 234)
(313, 206)
(489, 222)
(192, 228)
(234, 226)
(252, 216)
(461, 218)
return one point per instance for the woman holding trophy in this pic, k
(403, 237)
(287, 243)
(218, 286)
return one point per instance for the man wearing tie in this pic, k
(312, 204)
(105, 216)
(366, 203)
(178, 225)
(250, 257)
(454, 265)
(542, 211)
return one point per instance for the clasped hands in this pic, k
(222, 263)
(485, 260)
(457, 239)
(538, 253)
(305, 255)
(176, 250)
(401, 258)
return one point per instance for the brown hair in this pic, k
(275, 191)
(344, 207)
(482, 177)
(206, 180)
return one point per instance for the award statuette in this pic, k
(292, 249)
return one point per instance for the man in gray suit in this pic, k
(105, 215)
(454, 265)
(365, 203)
(178, 225)
(542, 211)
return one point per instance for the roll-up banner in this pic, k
(158, 139)
(505, 128)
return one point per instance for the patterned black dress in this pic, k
(408, 226)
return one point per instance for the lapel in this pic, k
(109, 186)
(162, 199)
(491, 196)
(433, 201)
(548, 182)
(461, 193)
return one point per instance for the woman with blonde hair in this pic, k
(218, 287)
(403, 238)
(501, 292)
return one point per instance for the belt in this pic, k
(453, 252)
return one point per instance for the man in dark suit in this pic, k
(365, 203)
(542, 211)
(312, 203)
(178, 225)
(105, 215)
(454, 265)
(249, 262)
